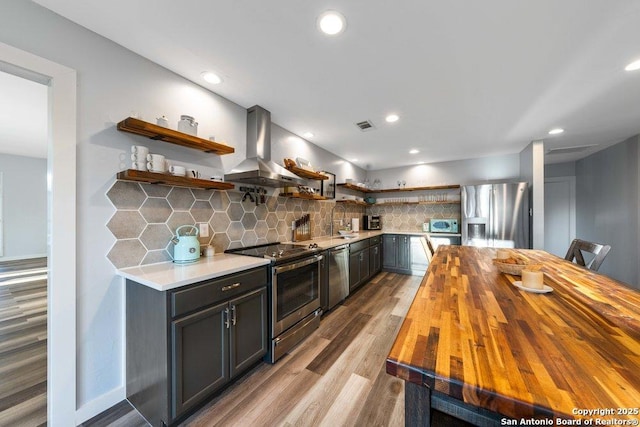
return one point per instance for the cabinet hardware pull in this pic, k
(233, 315)
(226, 317)
(226, 288)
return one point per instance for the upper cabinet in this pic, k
(159, 133)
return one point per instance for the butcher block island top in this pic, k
(471, 336)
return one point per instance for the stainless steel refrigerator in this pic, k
(496, 215)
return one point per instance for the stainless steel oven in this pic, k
(295, 292)
(295, 299)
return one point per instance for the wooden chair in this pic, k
(579, 247)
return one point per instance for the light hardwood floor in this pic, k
(336, 377)
(23, 343)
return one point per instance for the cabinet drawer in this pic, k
(358, 246)
(374, 240)
(216, 290)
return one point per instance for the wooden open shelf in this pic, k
(303, 173)
(303, 196)
(357, 188)
(353, 202)
(433, 187)
(448, 202)
(397, 190)
(159, 133)
(291, 166)
(166, 179)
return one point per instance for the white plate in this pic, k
(545, 289)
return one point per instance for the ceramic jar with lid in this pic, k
(188, 124)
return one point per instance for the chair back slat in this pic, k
(579, 247)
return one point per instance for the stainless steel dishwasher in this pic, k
(338, 274)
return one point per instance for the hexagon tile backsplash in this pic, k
(147, 216)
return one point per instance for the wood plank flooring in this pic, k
(336, 377)
(23, 342)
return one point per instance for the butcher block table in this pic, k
(475, 346)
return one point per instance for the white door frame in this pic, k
(61, 238)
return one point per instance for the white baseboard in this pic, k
(100, 404)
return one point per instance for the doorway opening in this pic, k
(60, 83)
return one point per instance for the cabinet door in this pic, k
(199, 363)
(354, 270)
(364, 265)
(403, 260)
(248, 332)
(389, 251)
(374, 259)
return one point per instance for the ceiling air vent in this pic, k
(570, 150)
(365, 125)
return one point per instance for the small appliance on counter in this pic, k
(444, 225)
(355, 225)
(371, 222)
(187, 246)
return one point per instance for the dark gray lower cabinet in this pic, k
(396, 253)
(185, 344)
(200, 344)
(375, 259)
(213, 346)
(358, 263)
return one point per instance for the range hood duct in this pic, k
(258, 168)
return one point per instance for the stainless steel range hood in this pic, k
(258, 169)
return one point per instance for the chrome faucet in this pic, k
(344, 211)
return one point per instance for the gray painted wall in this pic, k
(607, 206)
(461, 172)
(560, 169)
(24, 206)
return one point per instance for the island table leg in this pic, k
(417, 405)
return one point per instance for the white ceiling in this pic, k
(468, 78)
(23, 116)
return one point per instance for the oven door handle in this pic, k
(299, 264)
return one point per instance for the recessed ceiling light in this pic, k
(635, 65)
(414, 151)
(332, 23)
(556, 131)
(392, 118)
(354, 160)
(211, 77)
(308, 135)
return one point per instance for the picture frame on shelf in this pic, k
(328, 186)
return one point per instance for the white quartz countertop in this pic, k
(168, 275)
(331, 242)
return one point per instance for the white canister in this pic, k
(163, 121)
(209, 251)
(355, 225)
(188, 124)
